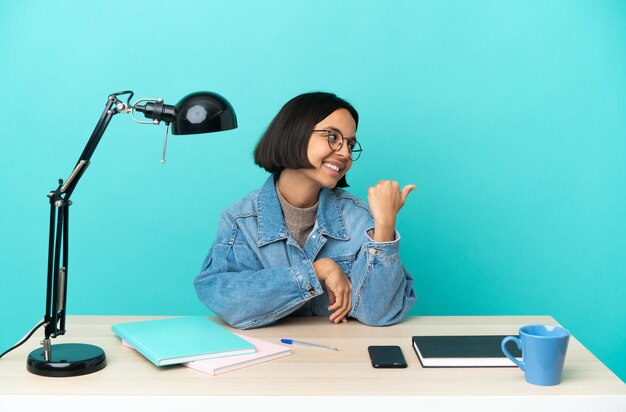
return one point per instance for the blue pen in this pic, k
(299, 342)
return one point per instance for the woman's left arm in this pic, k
(382, 288)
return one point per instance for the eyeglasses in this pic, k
(336, 139)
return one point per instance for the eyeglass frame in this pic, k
(356, 143)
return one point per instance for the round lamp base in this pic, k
(67, 359)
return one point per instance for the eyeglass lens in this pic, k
(336, 141)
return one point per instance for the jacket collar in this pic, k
(271, 222)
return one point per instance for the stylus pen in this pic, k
(299, 342)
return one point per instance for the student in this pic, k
(300, 245)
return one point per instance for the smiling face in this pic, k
(330, 166)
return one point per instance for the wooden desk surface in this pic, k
(311, 371)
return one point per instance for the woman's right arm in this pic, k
(234, 285)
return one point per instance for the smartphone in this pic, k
(387, 357)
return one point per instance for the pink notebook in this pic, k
(265, 351)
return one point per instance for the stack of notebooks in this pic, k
(196, 342)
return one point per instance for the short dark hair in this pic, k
(285, 141)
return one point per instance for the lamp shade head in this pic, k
(203, 112)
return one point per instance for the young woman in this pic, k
(300, 245)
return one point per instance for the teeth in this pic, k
(331, 166)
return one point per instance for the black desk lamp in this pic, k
(201, 112)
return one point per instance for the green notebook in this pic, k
(178, 340)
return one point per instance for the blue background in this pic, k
(510, 117)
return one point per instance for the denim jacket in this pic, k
(256, 273)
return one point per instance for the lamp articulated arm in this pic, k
(54, 318)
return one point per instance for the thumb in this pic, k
(406, 190)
